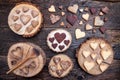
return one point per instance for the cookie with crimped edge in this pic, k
(60, 65)
(31, 67)
(59, 40)
(95, 55)
(25, 19)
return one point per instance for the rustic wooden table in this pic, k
(7, 38)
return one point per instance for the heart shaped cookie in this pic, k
(18, 52)
(99, 61)
(86, 53)
(60, 37)
(17, 11)
(34, 13)
(53, 68)
(89, 65)
(34, 23)
(88, 27)
(73, 8)
(65, 65)
(25, 9)
(72, 19)
(54, 18)
(29, 29)
(98, 21)
(85, 16)
(102, 45)
(56, 60)
(17, 27)
(103, 67)
(61, 47)
(52, 8)
(79, 34)
(94, 45)
(66, 42)
(25, 19)
(54, 45)
(105, 54)
(93, 55)
(51, 39)
(15, 18)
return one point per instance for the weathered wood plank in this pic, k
(7, 38)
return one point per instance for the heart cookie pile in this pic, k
(25, 19)
(95, 56)
(59, 40)
(60, 65)
(18, 52)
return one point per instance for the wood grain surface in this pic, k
(7, 38)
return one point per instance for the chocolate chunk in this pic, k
(105, 19)
(93, 10)
(61, 47)
(72, 19)
(54, 45)
(60, 7)
(105, 10)
(66, 42)
(60, 37)
(51, 40)
(102, 30)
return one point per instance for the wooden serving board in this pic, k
(7, 38)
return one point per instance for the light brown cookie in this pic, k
(25, 19)
(60, 65)
(59, 40)
(95, 55)
(19, 52)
